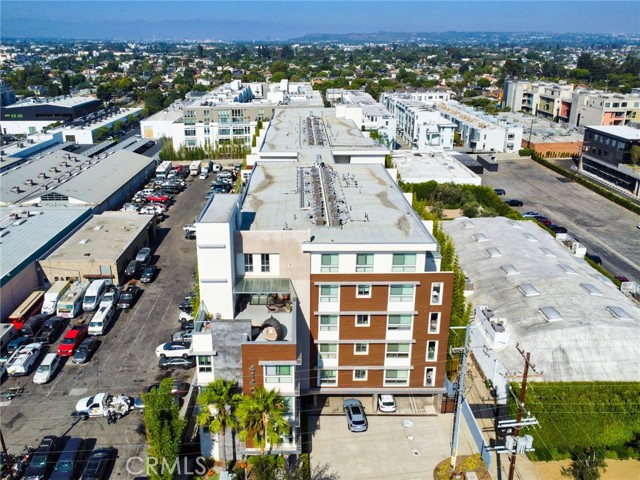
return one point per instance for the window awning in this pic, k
(264, 285)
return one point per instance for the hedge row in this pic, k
(576, 415)
(609, 195)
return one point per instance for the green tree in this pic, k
(100, 134)
(634, 154)
(262, 418)
(218, 402)
(66, 84)
(586, 465)
(164, 429)
(118, 126)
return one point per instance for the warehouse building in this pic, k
(25, 236)
(101, 248)
(426, 165)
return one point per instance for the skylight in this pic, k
(510, 269)
(494, 252)
(528, 290)
(480, 237)
(591, 289)
(567, 269)
(619, 312)
(551, 313)
(530, 237)
(467, 224)
(547, 252)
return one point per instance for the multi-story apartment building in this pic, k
(607, 154)
(565, 104)
(320, 280)
(609, 109)
(227, 114)
(418, 122)
(481, 132)
(365, 112)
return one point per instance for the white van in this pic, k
(47, 368)
(55, 293)
(93, 295)
(101, 320)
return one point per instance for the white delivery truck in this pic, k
(23, 359)
(101, 320)
(55, 293)
(194, 168)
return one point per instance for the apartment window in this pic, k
(364, 262)
(434, 322)
(396, 377)
(328, 323)
(359, 375)
(327, 378)
(363, 291)
(430, 377)
(404, 262)
(623, 104)
(432, 350)
(398, 350)
(607, 105)
(329, 262)
(278, 374)
(362, 320)
(401, 293)
(204, 363)
(616, 104)
(329, 293)
(207, 131)
(264, 263)
(436, 294)
(399, 322)
(328, 351)
(190, 132)
(361, 349)
(248, 262)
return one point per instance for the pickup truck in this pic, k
(101, 404)
(23, 359)
(72, 339)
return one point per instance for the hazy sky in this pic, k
(249, 20)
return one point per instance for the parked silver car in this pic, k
(356, 418)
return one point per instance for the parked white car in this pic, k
(386, 403)
(174, 349)
(47, 368)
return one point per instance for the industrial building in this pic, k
(63, 178)
(101, 248)
(536, 291)
(546, 137)
(27, 234)
(32, 115)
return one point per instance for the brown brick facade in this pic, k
(254, 353)
(377, 331)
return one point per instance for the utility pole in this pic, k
(459, 395)
(9, 459)
(523, 391)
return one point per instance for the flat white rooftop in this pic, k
(622, 131)
(341, 203)
(62, 101)
(423, 166)
(575, 322)
(541, 129)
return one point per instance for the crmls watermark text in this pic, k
(180, 466)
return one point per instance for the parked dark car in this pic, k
(594, 258)
(128, 297)
(33, 325)
(43, 459)
(70, 459)
(182, 335)
(514, 203)
(50, 330)
(177, 362)
(178, 390)
(85, 350)
(15, 344)
(186, 306)
(499, 191)
(132, 268)
(148, 274)
(98, 463)
(557, 228)
(544, 221)
(186, 325)
(621, 278)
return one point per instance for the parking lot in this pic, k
(606, 229)
(125, 362)
(393, 447)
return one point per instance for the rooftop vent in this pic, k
(15, 189)
(84, 241)
(29, 182)
(19, 222)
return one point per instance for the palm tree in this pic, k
(262, 415)
(218, 402)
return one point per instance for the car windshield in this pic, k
(126, 296)
(81, 349)
(68, 341)
(64, 467)
(358, 422)
(43, 368)
(89, 299)
(39, 460)
(95, 324)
